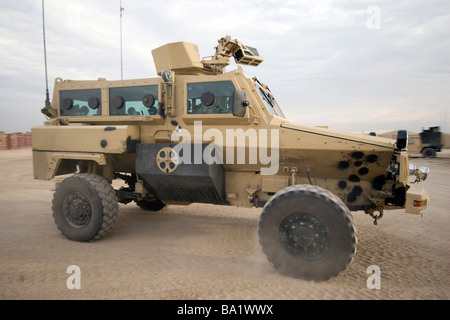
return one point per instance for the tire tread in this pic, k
(323, 194)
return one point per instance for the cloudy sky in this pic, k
(351, 65)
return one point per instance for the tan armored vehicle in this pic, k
(428, 142)
(199, 134)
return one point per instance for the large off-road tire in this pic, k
(429, 153)
(151, 205)
(85, 207)
(307, 232)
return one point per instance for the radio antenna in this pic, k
(121, 63)
(47, 110)
(47, 98)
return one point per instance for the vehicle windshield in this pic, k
(269, 100)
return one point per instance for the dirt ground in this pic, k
(208, 252)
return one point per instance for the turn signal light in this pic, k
(418, 203)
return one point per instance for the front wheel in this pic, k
(85, 207)
(307, 232)
(429, 153)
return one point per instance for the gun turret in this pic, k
(183, 57)
(232, 48)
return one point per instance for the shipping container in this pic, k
(23, 140)
(3, 141)
(28, 140)
(13, 140)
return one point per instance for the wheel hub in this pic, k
(77, 210)
(304, 236)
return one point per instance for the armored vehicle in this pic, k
(428, 142)
(431, 140)
(198, 134)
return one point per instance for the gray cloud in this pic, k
(324, 64)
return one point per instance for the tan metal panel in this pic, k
(103, 139)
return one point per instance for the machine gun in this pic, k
(231, 48)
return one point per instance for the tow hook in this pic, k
(375, 217)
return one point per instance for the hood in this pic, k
(342, 135)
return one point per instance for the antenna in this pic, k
(47, 110)
(47, 98)
(121, 62)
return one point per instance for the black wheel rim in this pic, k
(304, 236)
(77, 210)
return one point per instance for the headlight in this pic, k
(423, 173)
(402, 139)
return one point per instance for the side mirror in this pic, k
(240, 103)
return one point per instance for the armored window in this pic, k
(134, 101)
(266, 100)
(276, 106)
(210, 97)
(85, 102)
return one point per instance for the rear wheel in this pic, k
(151, 204)
(307, 232)
(85, 207)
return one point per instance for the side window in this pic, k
(277, 107)
(134, 101)
(80, 102)
(210, 97)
